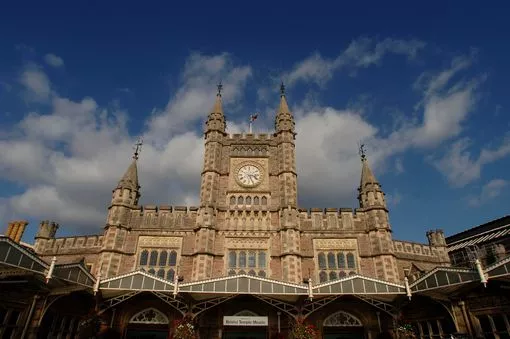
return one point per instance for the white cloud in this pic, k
(53, 60)
(71, 158)
(399, 166)
(36, 83)
(489, 191)
(459, 166)
(361, 53)
(196, 94)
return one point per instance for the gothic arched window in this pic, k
(350, 261)
(252, 258)
(331, 261)
(162, 258)
(248, 200)
(153, 261)
(262, 274)
(173, 258)
(231, 272)
(151, 271)
(332, 275)
(264, 201)
(341, 260)
(232, 200)
(242, 259)
(232, 259)
(161, 273)
(252, 272)
(240, 201)
(170, 275)
(323, 277)
(342, 274)
(322, 261)
(242, 272)
(144, 256)
(256, 201)
(262, 259)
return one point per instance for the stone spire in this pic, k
(284, 120)
(130, 178)
(216, 119)
(370, 192)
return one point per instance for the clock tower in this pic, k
(248, 188)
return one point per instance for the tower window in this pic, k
(159, 262)
(264, 201)
(232, 200)
(248, 200)
(256, 201)
(336, 265)
(255, 260)
(240, 201)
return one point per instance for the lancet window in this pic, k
(251, 262)
(160, 262)
(335, 265)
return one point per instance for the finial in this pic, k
(220, 88)
(362, 152)
(138, 148)
(282, 89)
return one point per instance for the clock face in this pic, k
(249, 176)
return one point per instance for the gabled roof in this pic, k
(443, 277)
(499, 269)
(239, 284)
(357, 284)
(15, 255)
(74, 273)
(137, 280)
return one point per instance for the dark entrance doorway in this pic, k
(246, 333)
(344, 334)
(146, 334)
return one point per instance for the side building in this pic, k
(248, 261)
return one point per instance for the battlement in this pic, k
(163, 216)
(331, 219)
(249, 137)
(155, 209)
(413, 248)
(69, 245)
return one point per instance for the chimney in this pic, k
(15, 229)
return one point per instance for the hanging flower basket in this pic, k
(184, 329)
(302, 330)
(406, 331)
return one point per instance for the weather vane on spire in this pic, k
(362, 151)
(282, 89)
(138, 148)
(220, 88)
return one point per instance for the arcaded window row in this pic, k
(159, 262)
(252, 262)
(241, 200)
(336, 265)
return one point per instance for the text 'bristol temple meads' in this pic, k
(247, 262)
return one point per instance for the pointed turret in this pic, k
(370, 192)
(128, 188)
(284, 120)
(130, 178)
(216, 119)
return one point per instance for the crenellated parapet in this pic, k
(69, 245)
(163, 216)
(336, 219)
(421, 252)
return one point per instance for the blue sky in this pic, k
(423, 85)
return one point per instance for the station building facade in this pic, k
(248, 262)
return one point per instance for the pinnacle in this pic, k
(367, 177)
(130, 178)
(218, 106)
